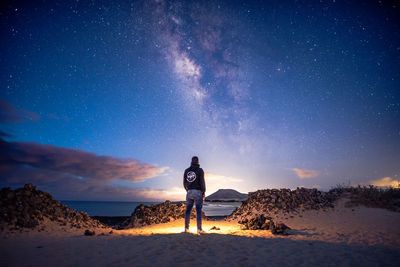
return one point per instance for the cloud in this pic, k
(66, 187)
(70, 170)
(75, 162)
(87, 191)
(386, 182)
(304, 173)
(175, 194)
(10, 114)
(4, 134)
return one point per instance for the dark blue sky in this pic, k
(266, 93)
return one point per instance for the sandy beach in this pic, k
(342, 236)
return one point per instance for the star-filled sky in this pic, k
(109, 100)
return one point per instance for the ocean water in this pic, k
(105, 208)
(220, 208)
(116, 208)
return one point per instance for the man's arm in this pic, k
(202, 182)
(184, 181)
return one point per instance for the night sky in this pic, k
(109, 100)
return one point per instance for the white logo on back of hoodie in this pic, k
(190, 176)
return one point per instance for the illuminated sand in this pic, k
(176, 227)
(363, 237)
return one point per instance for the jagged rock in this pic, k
(280, 229)
(255, 213)
(255, 223)
(27, 207)
(270, 201)
(153, 214)
(261, 222)
(89, 233)
(215, 228)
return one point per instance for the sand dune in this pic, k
(339, 237)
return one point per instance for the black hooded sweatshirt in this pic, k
(193, 178)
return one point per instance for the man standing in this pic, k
(193, 181)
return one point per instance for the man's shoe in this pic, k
(200, 232)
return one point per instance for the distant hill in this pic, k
(226, 195)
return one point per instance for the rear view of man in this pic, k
(193, 181)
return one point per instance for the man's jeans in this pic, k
(193, 195)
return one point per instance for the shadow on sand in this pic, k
(194, 250)
(232, 250)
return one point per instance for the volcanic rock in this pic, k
(27, 207)
(280, 229)
(261, 222)
(159, 213)
(271, 201)
(89, 232)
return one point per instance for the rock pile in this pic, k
(89, 233)
(261, 222)
(370, 196)
(271, 201)
(27, 207)
(160, 213)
